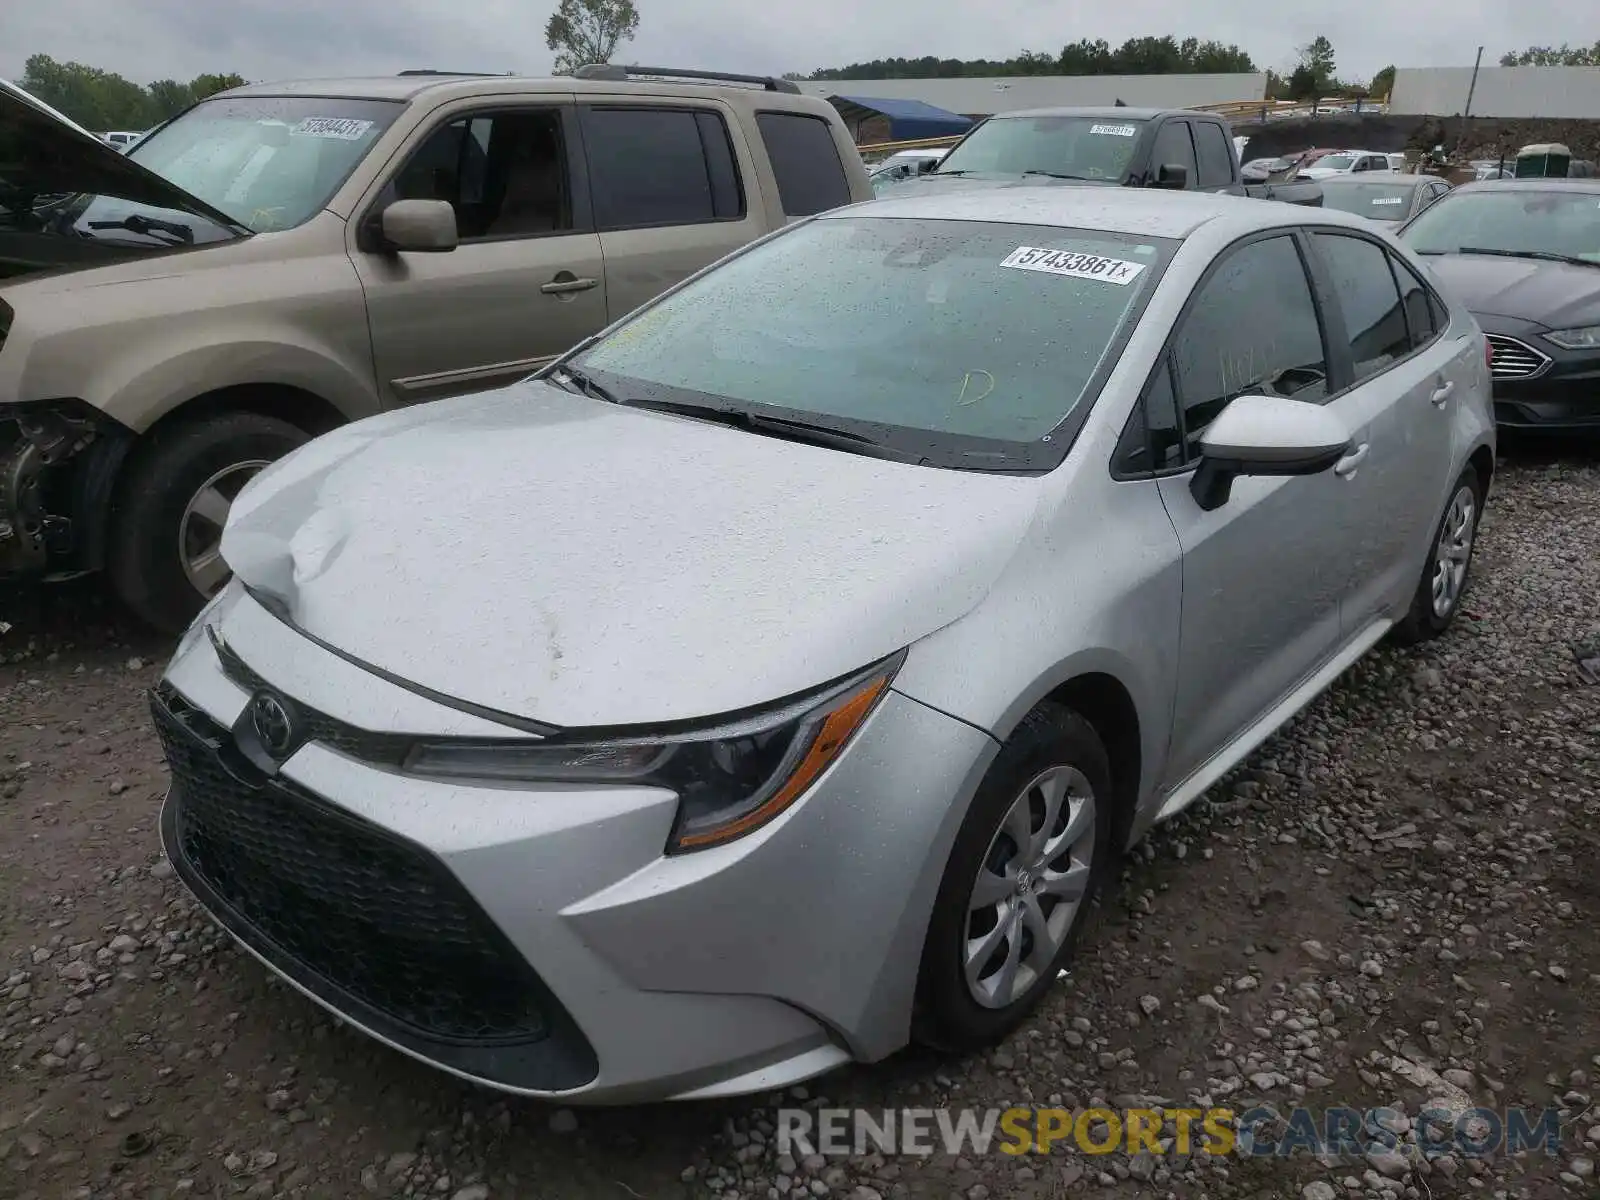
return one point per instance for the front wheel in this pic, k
(166, 547)
(1445, 576)
(1022, 874)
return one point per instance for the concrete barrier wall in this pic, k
(980, 96)
(1517, 92)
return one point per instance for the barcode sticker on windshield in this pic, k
(1114, 130)
(345, 129)
(1388, 200)
(1078, 266)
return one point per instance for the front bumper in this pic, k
(536, 939)
(1560, 394)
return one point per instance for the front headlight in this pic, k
(1586, 338)
(730, 779)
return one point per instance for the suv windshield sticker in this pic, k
(1386, 199)
(1114, 130)
(346, 129)
(1078, 266)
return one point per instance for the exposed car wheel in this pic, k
(165, 556)
(1444, 578)
(1022, 874)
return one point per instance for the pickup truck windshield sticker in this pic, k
(1114, 130)
(1387, 200)
(1070, 263)
(345, 129)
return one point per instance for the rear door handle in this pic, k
(562, 287)
(1442, 393)
(1347, 465)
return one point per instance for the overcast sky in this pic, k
(285, 39)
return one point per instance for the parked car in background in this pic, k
(282, 258)
(121, 140)
(1345, 162)
(528, 718)
(1259, 170)
(1385, 196)
(1175, 149)
(1524, 257)
(1397, 162)
(903, 165)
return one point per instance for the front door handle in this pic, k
(1442, 393)
(1347, 465)
(565, 283)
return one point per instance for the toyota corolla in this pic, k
(771, 681)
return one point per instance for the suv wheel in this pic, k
(1022, 874)
(1444, 578)
(165, 558)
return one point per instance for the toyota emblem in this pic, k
(274, 723)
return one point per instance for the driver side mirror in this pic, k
(427, 226)
(1265, 435)
(1172, 176)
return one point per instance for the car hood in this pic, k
(43, 155)
(1556, 295)
(580, 563)
(933, 181)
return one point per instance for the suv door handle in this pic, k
(1347, 465)
(561, 287)
(1442, 393)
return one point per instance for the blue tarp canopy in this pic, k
(907, 118)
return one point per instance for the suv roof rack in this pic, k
(459, 74)
(619, 74)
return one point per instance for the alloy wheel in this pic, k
(200, 530)
(1031, 886)
(1454, 551)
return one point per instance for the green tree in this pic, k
(589, 31)
(1553, 56)
(95, 99)
(1085, 57)
(169, 97)
(1317, 60)
(202, 86)
(1136, 56)
(1382, 83)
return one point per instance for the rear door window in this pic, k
(659, 166)
(1365, 287)
(805, 162)
(1216, 163)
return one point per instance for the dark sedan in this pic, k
(1524, 256)
(1388, 196)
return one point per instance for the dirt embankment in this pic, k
(1486, 137)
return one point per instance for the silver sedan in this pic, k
(775, 679)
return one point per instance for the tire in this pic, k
(1425, 619)
(151, 522)
(1053, 743)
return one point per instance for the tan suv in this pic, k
(283, 258)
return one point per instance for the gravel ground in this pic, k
(1395, 901)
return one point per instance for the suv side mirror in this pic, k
(1172, 176)
(1265, 435)
(419, 225)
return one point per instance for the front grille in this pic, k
(1513, 359)
(322, 891)
(381, 749)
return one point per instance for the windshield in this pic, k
(1336, 162)
(1520, 219)
(269, 162)
(964, 344)
(1078, 147)
(1379, 201)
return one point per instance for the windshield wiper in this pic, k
(1540, 255)
(1059, 175)
(784, 427)
(585, 385)
(137, 223)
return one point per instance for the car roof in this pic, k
(1589, 186)
(1152, 213)
(1396, 177)
(1103, 113)
(446, 86)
